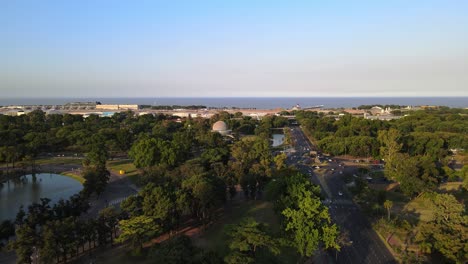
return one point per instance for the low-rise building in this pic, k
(116, 107)
(14, 112)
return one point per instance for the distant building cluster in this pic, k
(87, 109)
(117, 107)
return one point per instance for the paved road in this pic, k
(366, 246)
(118, 189)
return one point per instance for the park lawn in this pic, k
(455, 188)
(120, 254)
(451, 186)
(126, 165)
(59, 161)
(417, 210)
(74, 176)
(420, 207)
(413, 211)
(213, 238)
(398, 199)
(52, 161)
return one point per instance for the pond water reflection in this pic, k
(278, 139)
(29, 189)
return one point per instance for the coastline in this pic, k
(250, 102)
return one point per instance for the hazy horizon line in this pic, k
(140, 97)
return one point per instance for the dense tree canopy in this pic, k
(247, 238)
(138, 229)
(446, 231)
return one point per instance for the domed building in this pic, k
(221, 127)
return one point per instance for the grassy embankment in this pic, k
(73, 176)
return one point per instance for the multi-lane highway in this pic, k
(366, 246)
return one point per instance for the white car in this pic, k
(340, 193)
(341, 172)
(317, 167)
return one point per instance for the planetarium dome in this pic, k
(221, 127)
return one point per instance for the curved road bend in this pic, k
(366, 246)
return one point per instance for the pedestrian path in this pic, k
(343, 202)
(119, 200)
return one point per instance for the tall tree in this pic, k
(24, 243)
(158, 203)
(390, 147)
(96, 178)
(132, 205)
(205, 193)
(95, 172)
(7, 230)
(110, 217)
(309, 225)
(59, 240)
(247, 237)
(447, 231)
(388, 206)
(138, 229)
(177, 250)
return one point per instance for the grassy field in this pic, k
(214, 238)
(53, 161)
(451, 186)
(415, 211)
(419, 208)
(126, 165)
(61, 161)
(73, 176)
(118, 255)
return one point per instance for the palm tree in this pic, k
(388, 205)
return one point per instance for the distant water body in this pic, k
(252, 102)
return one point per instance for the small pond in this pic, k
(26, 191)
(278, 139)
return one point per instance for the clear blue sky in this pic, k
(233, 48)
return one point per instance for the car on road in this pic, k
(317, 167)
(340, 193)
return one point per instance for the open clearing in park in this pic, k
(213, 237)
